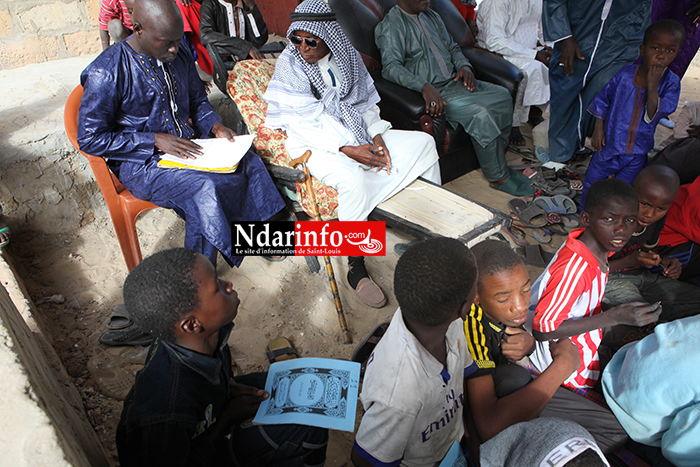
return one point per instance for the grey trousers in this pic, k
(678, 299)
(599, 421)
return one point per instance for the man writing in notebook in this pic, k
(143, 97)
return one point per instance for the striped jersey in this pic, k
(484, 338)
(572, 287)
(114, 9)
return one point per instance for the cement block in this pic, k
(93, 11)
(83, 42)
(22, 52)
(51, 17)
(5, 24)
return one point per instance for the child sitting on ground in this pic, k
(184, 408)
(413, 391)
(630, 106)
(630, 277)
(566, 298)
(500, 392)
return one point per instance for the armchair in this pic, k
(404, 108)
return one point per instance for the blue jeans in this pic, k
(678, 299)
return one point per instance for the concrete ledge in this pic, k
(43, 421)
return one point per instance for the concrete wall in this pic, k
(33, 31)
(43, 421)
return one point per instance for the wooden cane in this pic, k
(329, 267)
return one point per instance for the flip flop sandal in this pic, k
(280, 349)
(534, 255)
(127, 336)
(365, 348)
(526, 165)
(528, 213)
(576, 185)
(570, 221)
(542, 235)
(516, 234)
(525, 152)
(120, 318)
(559, 204)
(579, 169)
(556, 229)
(369, 293)
(112, 380)
(552, 218)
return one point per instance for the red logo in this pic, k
(340, 238)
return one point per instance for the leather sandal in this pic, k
(369, 293)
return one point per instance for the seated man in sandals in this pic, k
(323, 96)
(143, 97)
(185, 408)
(513, 28)
(418, 53)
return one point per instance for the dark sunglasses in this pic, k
(311, 43)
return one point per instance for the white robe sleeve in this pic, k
(374, 123)
(495, 32)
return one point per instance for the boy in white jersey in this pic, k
(413, 391)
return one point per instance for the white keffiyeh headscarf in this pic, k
(297, 90)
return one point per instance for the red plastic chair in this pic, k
(122, 205)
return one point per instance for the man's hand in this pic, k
(654, 76)
(694, 131)
(382, 151)
(255, 53)
(180, 147)
(220, 131)
(672, 267)
(516, 344)
(569, 49)
(636, 313)
(366, 154)
(565, 352)
(466, 75)
(543, 56)
(434, 103)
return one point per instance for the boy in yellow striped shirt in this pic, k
(502, 393)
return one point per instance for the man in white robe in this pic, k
(513, 29)
(323, 96)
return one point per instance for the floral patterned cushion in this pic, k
(246, 85)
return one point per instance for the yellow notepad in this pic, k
(218, 155)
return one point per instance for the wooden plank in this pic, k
(437, 209)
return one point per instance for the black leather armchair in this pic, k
(404, 108)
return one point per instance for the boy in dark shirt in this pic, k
(184, 408)
(634, 270)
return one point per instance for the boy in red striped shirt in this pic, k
(566, 297)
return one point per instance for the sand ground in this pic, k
(75, 279)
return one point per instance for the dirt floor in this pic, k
(75, 279)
